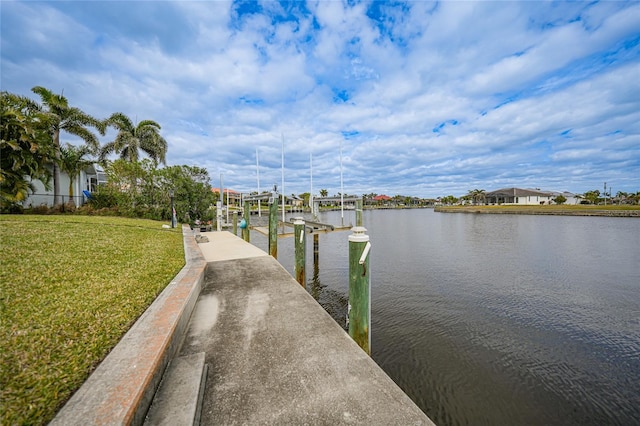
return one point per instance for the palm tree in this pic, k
(324, 192)
(69, 119)
(72, 162)
(25, 148)
(130, 140)
(476, 195)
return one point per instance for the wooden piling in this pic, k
(359, 310)
(359, 212)
(235, 223)
(300, 250)
(246, 216)
(273, 227)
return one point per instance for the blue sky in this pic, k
(424, 98)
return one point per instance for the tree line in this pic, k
(31, 149)
(478, 196)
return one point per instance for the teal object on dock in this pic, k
(243, 224)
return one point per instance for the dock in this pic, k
(236, 340)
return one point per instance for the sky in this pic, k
(416, 98)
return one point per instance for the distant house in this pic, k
(519, 196)
(230, 196)
(571, 198)
(87, 180)
(295, 201)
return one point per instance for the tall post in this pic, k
(235, 223)
(316, 209)
(258, 177)
(174, 221)
(315, 282)
(220, 205)
(246, 215)
(311, 180)
(219, 216)
(273, 226)
(341, 190)
(282, 189)
(316, 248)
(359, 212)
(300, 250)
(359, 310)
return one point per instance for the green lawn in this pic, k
(70, 287)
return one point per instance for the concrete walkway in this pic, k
(274, 355)
(235, 340)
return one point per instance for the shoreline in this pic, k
(614, 211)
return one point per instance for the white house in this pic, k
(519, 196)
(87, 180)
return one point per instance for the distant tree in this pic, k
(306, 197)
(131, 139)
(592, 196)
(622, 196)
(449, 200)
(477, 195)
(150, 197)
(62, 117)
(192, 190)
(72, 162)
(26, 148)
(324, 192)
(560, 199)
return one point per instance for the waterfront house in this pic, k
(87, 180)
(231, 197)
(519, 196)
(382, 200)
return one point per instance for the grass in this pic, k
(70, 287)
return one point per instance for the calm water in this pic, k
(497, 319)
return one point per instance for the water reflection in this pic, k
(498, 319)
(334, 302)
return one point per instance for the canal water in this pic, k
(496, 319)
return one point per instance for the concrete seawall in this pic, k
(274, 356)
(120, 390)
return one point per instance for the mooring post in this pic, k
(235, 223)
(300, 250)
(359, 212)
(359, 309)
(273, 226)
(246, 215)
(316, 247)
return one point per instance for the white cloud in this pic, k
(435, 98)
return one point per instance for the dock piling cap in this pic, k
(298, 220)
(359, 235)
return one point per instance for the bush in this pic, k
(11, 208)
(41, 209)
(102, 198)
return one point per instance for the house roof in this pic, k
(381, 198)
(226, 191)
(517, 192)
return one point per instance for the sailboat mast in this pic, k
(341, 188)
(311, 181)
(258, 177)
(283, 206)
